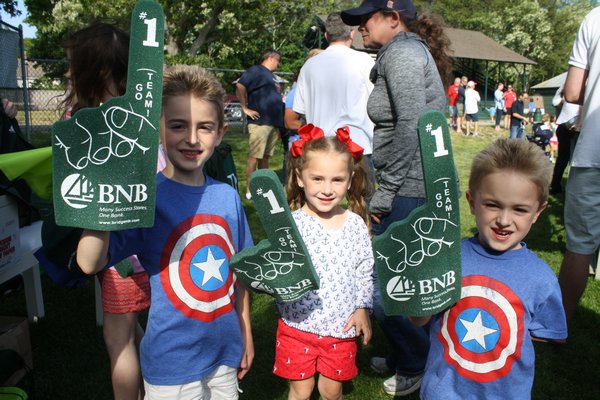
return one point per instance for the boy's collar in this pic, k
(487, 252)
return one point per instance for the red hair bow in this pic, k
(310, 132)
(307, 133)
(343, 135)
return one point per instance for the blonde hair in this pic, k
(518, 156)
(181, 79)
(360, 186)
(313, 52)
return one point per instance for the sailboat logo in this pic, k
(77, 191)
(400, 288)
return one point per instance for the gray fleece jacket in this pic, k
(407, 84)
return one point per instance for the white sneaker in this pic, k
(399, 385)
(248, 195)
(379, 365)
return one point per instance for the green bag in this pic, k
(220, 165)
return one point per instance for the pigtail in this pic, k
(361, 188)
(295, 194)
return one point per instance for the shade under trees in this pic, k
(231, 34)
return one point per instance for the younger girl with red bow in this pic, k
(318, 332)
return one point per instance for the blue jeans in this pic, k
(516, 131)
(410, 344)
(499, 113)
(401, 207)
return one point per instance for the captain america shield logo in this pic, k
(195, 275)
(482, 334)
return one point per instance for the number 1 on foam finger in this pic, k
(275, 207)
(151, 33)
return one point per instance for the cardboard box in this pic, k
(14, 335)
(9, 230)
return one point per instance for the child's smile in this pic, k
(325, 179)
(505, 206)
(190, 133)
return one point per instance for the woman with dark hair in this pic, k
(98, 58)
(411, 62)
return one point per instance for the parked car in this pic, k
(233, 110)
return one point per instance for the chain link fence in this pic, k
(24, 82)
(46, 98)
(40, 98)
(12, 71)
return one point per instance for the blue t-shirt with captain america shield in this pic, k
(192, 324)
(481, 347)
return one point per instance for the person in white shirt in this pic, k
(499, 104)
(582, 199)
(333, 87)
(472, 100)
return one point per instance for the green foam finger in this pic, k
(280, 265)
(104, 158)
(418, 259)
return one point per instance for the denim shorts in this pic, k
(453, 111)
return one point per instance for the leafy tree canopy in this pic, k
(541, 30)
(230, 34)
(9, 6)
(227, 34)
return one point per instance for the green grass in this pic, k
(70, 361)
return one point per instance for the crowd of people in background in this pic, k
(510, 111)
(518, 113)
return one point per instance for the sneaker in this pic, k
(248, 195)
(379, 365)
(399, 385)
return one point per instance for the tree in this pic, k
(213, 33)
(54, 19)
(541, 30)
(10, 6)
(230, 34)
(565, 20)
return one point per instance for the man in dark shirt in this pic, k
(518, 119)
(260, 99)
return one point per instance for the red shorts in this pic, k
(298, 355)
(123, 295)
